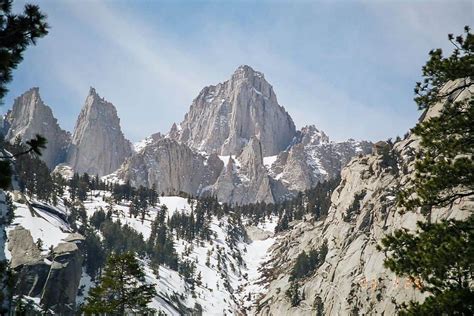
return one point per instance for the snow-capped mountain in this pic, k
(215, 258)
(312, 158)
(240, 121)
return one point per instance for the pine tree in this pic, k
(122, 289)
(301, 267)
(438, 259)
(445, 168)
(17, 32)
(293, 294)
(439, 256)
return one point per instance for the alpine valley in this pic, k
(218, 211)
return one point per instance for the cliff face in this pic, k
(240, 121)
(171, 167)
(30, 116)
(352, 278)
(244, 179)
(53, 278)
(313, 158)
(223, 118)
(98, 144)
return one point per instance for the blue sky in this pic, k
(349, 67)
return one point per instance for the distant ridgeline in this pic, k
(238, 143)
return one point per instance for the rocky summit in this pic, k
(263, 158)
(98, 145)
(236, 140)
(30, 116)
(223, 118)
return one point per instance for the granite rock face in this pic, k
(98, 144)
(240, 124)
(223, 118)
(353, 279)
(171, 167)
(245, 179)
(30, 116)
(53, 278)
(313, 158)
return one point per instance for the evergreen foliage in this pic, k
(315, 201)
(122, 289)
(293, 294)
(445, 165)
(160, 244)
(306, 264)
(354, 208)
(439, 257)
(17, 32)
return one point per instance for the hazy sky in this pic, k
(349, 67)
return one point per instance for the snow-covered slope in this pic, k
(43, 221)
(221, 278)
(225, 279)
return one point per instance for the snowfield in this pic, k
(43, 225)
(225, 283)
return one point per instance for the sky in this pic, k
(348, 67)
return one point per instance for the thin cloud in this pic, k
(347, 67)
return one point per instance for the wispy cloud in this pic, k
(347, 67)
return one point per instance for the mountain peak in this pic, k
(246, 72)
(98, 144)
(223, 118)
(33, 91)
(96, 97)
(312, 135)
(30, 116)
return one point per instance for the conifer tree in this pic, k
(17, 32)
(293, 294)
(122, 289)
(445, 168)
(439, 257)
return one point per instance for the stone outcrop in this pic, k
(245, 180)
(54, 278)
(241, 121)
(224, 117)
(63, 278)
(313, 158)
(352, 279)
(22, 248)
(98, 144)
(30, 116)
(171, 167)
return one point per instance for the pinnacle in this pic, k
(246, 71)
